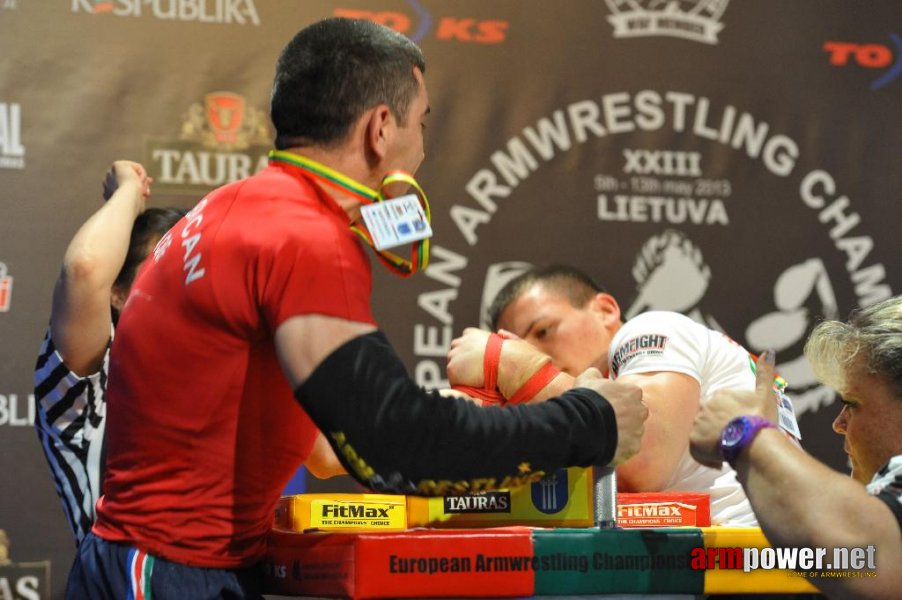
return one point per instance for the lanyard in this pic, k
(780, 384)
(419, 256)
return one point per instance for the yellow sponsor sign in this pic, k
(344, 512)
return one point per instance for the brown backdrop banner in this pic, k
(734, 161)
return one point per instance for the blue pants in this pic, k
(105, 569)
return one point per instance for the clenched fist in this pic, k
(724, 405)
(517, 363)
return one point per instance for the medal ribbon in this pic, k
(419, 256)
(780, 384)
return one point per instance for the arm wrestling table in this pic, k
(519, 561)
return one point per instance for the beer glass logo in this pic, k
(549, 494)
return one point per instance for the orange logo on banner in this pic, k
(225, 113)
(456, 29)
(222, 138)
(225, 122)
(869, 56)
(6, 288)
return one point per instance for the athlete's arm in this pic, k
(519, 360)
(80, 319)
(672, 400)
(393, 436)
(322, 462)
(799, 501)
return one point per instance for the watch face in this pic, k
(739, 433)
(733, 432)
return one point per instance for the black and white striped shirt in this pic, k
(70, 425)
(887, 485)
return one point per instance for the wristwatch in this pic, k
(739, 433)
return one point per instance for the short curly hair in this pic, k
(872, 337)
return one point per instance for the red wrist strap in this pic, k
(534, 384)
(488, 393)
(491, 360)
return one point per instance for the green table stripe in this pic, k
(593, 561)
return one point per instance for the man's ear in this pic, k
(607, 306)
(377, 131)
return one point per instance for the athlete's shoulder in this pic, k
(659, 321)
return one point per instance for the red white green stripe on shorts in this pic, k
(140, 567)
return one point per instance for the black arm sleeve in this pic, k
(393, 436)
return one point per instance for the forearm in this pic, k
(673, 400)
(393, 436)
(798, 500)
(97, 251)
(557, 386)
(80, 321)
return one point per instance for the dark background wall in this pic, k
(733, 160)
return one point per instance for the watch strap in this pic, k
(739, 433)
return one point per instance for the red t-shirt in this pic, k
(204, 431)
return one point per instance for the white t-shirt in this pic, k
(668, 341)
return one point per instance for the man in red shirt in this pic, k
(259, 299)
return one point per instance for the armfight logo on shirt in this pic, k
(642, 345)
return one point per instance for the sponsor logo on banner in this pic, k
(550, 493)
(25, 581)
(224, 12)
(6, 288)
(418, 24)
(882, 57)
(695, 20)
(222, 140)
(337, 515)
(656, 514)
(484, 502)
(12, 152)
(643, 216)
(279, 570)
(16, 411)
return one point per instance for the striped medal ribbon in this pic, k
(419, 256)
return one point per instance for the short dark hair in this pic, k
(331, 72)
(576, 286)
(153, 222)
